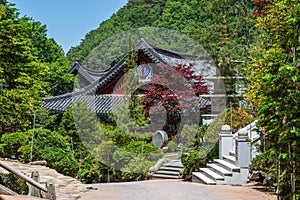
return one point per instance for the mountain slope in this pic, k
(224, 28)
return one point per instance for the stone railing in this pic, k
(241, 143)
(35, 188)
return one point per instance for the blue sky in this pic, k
(68, 21)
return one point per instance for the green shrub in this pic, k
(12, 142)
(91, 170)
(194, 160)
(134, 159)
(137, 168)
(125, 154)
(50, 146)
(265, 163)
(191, 136)
(14, 183)
(172, 146)
(104, 151)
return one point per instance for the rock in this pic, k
(41, 162)
(91, 188)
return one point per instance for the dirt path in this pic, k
(174, 190)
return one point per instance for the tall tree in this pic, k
(274, 83)
(31, 66)
(21, 73)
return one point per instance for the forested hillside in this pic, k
(224, 28)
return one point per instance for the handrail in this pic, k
(157, 165)
(22, 176)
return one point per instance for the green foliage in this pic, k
(137, 168)
(91, 170)
(30, 64)
(200, 145)
(200, 20)
(49, 146)
(274, 89)
(59, 80)
(239, 117)
(194, 160)
(14, 183)
(265, 162)
(134, 159)
(110, 146)
(115, 134)
(191, 136)
(71, 132)
(129, 117)
(11, 143)
(81, 124)
(172, 146)
(21, 74)
(104, 152)
(131, 161)
(125, 154)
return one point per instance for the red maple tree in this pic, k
(176, 89)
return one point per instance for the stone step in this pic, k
(227, 165)
(230, 159)
(176, 164)
(220, 170)
(167, 172)
(177, 169)
(211, 174)
(199, 177)
(165, 176)
(232, 153)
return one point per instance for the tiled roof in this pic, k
(100, 104)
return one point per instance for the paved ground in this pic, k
(68, 188)
(174, 190)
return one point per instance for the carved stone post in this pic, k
(243, 149)
(225, 142)
(33, 191)
(51, 195)
(243, 152)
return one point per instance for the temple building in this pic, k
(101, 89)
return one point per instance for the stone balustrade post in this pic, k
(243, 149)
(32, 190)
(51, 194)
(225, 141)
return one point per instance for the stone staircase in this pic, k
(235, 155)
(221, 171)
(170, 170)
